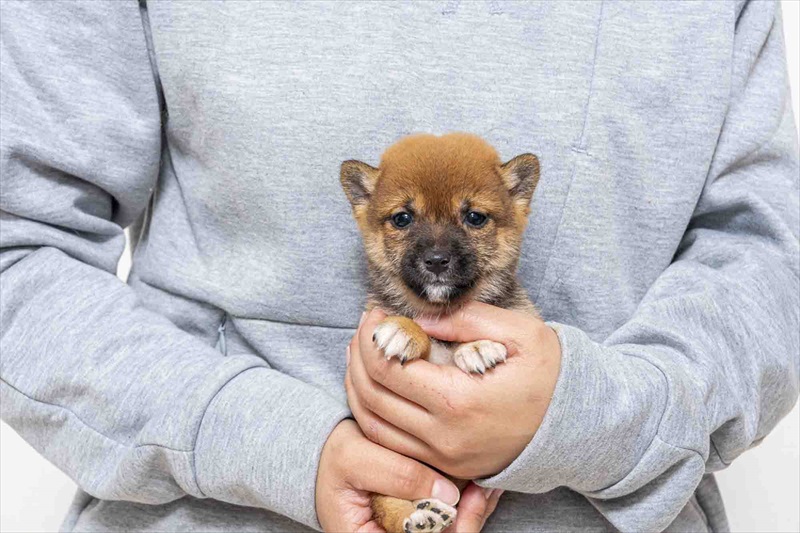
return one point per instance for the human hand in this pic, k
(352, 467)
(467, 426)
(475, 507)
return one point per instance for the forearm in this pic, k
(132, 408)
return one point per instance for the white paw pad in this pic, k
(476, 357)
(394, 342)
(430, 516)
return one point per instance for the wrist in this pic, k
(605, 410)
(247, 454)
(545, 352)
(341, 434)
(326, 470)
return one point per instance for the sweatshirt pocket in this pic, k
(222, 340)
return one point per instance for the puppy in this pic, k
(442, 220)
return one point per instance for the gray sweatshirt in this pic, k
(662, 244)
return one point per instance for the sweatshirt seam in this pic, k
(582, 139)
(658, 438)
(86, 424)
(121, 443)
(718, 453)
(668, 399)
(659, 426)
(163, 112)
(142, 278)
(288, 323)
(696, 505)
(203, 419)
(679, 447)
(578, 147)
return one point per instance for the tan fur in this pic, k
(434, 175)
(437, 178)
(391, 513)
(419, 343)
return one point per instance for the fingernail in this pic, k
(347, 356)
(363, 316)
(445, 491)
(487, 492)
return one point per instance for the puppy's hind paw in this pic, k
(430, 516)
(402, 338)
(476, 357)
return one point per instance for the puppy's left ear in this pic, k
(358, 181)
(521, 176)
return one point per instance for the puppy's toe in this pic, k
(384, 332)
(476, 357)
(400, 337)
(431, 516)
(492, 353)
(390, 338)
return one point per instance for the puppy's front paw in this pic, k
(401, 337)
(430, 516)
(476, 357)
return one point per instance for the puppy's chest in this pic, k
(472, 357)
(442, 352)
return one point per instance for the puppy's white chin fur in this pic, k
(437, 293)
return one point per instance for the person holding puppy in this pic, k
(208, 392)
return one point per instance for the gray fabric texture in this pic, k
(662, 244)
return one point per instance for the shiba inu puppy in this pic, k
(442, 220)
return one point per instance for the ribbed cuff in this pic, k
(605, 411)
(260, 441)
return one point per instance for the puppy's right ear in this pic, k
(358, 181)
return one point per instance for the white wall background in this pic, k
(761, 489)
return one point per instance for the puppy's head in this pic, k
(442, 218)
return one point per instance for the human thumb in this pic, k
(474, 321)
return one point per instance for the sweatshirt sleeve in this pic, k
(116, 396)
(709, 362)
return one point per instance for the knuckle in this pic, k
(457, 470)
(445, 464)
(463, 317)
(378, 368)
(372, 430)
(516, 344)
(450, 452)
(471, 314)
(409, 475)
(455, 459)
(368, 401)
(479, 509)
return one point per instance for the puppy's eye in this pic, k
(402, 219)
(475, 219)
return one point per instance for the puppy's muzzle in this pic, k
(436, 261)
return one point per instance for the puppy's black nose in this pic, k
(436, 261)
